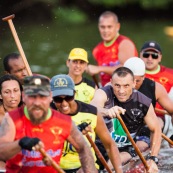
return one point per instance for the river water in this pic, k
(165, 163)
(47, 45)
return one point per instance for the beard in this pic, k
(34, 118)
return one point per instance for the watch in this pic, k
(155, 159)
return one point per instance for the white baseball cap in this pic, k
(136, 65)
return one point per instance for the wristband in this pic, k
(155, 159)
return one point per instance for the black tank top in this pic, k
(148, 88)
(136, 108)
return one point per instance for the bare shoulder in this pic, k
(126, 49)
(160, 87)
(99, 96)
(126, 42)
(160, 90)
(7, 129)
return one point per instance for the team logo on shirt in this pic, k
(56, 132)
(136, 113)
(163, 80)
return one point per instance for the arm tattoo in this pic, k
(4, 127)
(84, 151)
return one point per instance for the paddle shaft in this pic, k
(98, 153)
(167, 139)
(133, 143)
(53, 163)
(16, 38)
(95, 80)
(161, 111)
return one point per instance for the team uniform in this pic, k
(164, 77)
(70, 158)
(136, 108)
(148, 88)
(108, 56)
(51, 132)
(85, 90)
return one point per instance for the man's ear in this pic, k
(0, 96)
(67, 63)
(134, 83)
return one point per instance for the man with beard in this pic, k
(29, 128)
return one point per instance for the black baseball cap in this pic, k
(36, 85)
(151, 45)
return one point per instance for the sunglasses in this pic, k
(153, 55)
(60, 99)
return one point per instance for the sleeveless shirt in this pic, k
(85, 90)
(52, 132)
(108, 56)
(85, 113)
(136, 109)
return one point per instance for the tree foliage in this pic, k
(143, 3)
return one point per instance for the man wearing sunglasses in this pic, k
(151, 54)
(63, 90)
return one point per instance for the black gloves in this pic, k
(83, 125)
(27, 143)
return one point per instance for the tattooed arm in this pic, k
(86, 158)
(8, 147)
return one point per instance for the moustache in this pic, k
(37, 107)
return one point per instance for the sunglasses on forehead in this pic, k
(60, 99)
(153, 55)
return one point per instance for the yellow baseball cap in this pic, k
(78, 53)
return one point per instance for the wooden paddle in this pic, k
(161, 111)
(95, 80)
(9, 20)
(133, 143)
(167, 139)
(53, 163)
(16, 38)
(98, 153)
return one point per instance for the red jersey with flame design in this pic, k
(164, 77)
(108, 56)
(53, 132)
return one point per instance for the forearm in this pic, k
(108, 69)
(8, 150)
(87, 160)
(155, 142)
(112, 112)
(114, 157)
(102, 111)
